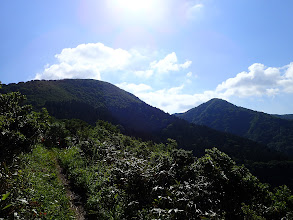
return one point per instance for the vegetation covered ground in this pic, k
(93, 100)
(119, 177)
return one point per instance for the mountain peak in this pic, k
(218, 101)
(214, 103)
(92, 100)
(258, 126)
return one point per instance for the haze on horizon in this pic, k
(173, 54)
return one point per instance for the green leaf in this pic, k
(4, 196)
(7, 206)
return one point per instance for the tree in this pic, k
(20, 127)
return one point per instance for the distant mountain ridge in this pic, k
(286, 116)
(221, 115)
(91, 100)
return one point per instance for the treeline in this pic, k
(119, 177)
(275, 131)
(92, 100)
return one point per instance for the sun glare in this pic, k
(136, 5)
(142, 12)
(138, 9)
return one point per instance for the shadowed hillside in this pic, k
(221, 115)
(286, 116)
(67, 169)
(91, 100)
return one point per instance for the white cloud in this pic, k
(272, 92)
(174, 100)
(194, 9)
(259, 81)
(185, 65)
(104, 57)
(144, 73)
(67, 71)
(287, 80)
(86, 61)
(169, 63)
(189, 74)
(95, 60)
(289, 72)
(129, 67)
(170, 100)
(134, 88)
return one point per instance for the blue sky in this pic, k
(173, 54)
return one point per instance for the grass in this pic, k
(35, 190)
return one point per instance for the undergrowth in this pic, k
(124, 178)
(119, 177)
(34, 190)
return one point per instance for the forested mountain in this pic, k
(53, 169)
(91, 100)
(286, 116)
(221, 115)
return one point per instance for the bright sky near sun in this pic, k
(172, 54)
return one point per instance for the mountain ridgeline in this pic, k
(274, 131)
(67, 169)
(286, 116)
(92, 100)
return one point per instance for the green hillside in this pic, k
(221, 115)
(92, 100)
(286, 116)
(68, 169)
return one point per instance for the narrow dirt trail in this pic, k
(74, 199)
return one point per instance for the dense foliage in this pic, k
(18, 125)
(119, 177)
(286, 116)
(265, 163)
(30, 187)
(275, 132)
(91, 100)
(124, 178)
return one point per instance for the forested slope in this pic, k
(91, 100)
(119, 177)
(286, 116)
(275, 132)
